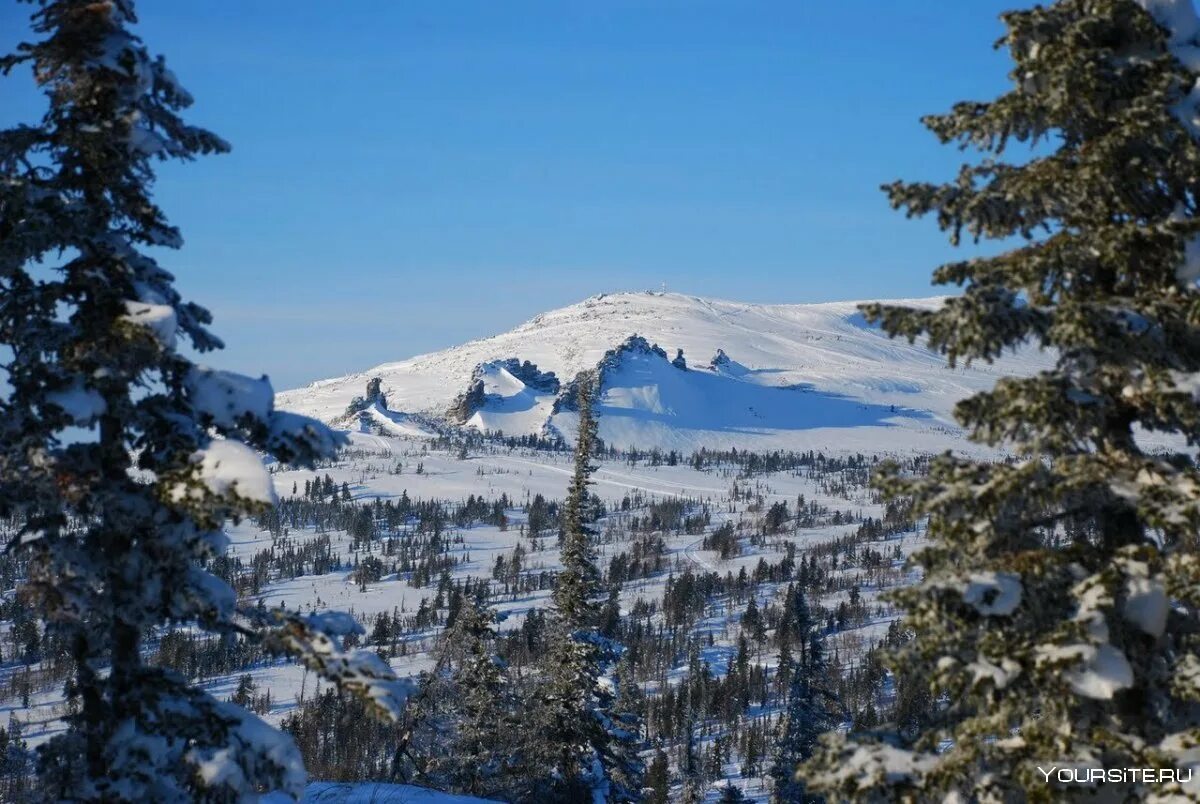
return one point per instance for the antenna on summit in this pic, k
(664, 288)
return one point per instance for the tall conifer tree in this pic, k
(121, 457)
(577, 588)
(810, 712)
(809, 706)
(479, 757)
(1056, 617)
(586, 747)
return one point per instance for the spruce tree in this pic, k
(586, 748)
(479, 756)
(658, 779)
(1056, 616)
(810, 712)
(577, 588)
(120, 458)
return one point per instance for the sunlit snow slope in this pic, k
(796, 376)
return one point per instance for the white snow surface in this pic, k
(160, 319)
(1180, 19)
(1177, 16)
(1147, 605)
(513, 406)
(226, 396)
(231, 467)
(798, 376)
(369, 468)
(994, 593)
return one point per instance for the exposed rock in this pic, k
(374, 391)
(528, 373)
(569, 398)
(720, 360)
(470, 401)
(374, 395)
(634, 344)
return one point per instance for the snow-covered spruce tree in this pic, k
(1056, 619)
(478, 762)
(120, 457)
(810, 708)
(581, 746)
(577, 591)
(810, 712)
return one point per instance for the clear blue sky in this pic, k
(410, 175)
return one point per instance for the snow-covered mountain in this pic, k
(700, 372)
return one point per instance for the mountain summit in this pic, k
(677, 372)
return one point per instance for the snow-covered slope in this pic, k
(757, 376)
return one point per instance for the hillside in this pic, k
(800, 376)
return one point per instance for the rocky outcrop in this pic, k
(470, 401)
(634, 344)
(569, 398)
(467, 403)
(374, 395)
(528, 373)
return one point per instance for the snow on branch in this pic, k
(316, 640)
(993, 594)
(299, 440)
(229, 468)
(196, 737)
(867, 766)
(84, 405)
(234, 402)
(224, 397)
(1179, 18)
(158, 319)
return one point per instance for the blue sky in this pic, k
(410, 175)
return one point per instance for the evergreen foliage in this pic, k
(585, 746)
(810, 713)
(339, 739)
(578, 587)
(122, 458)
(1055, 621)
(480, 758)
(658, 779)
